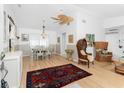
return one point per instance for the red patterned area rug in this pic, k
(55, 77)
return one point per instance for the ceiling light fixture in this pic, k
(43, 33)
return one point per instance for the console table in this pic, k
(102, 54)
(104, 57)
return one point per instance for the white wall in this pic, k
(92, 25)
(113, 39)
(52, 35)
(1, 27)
(69, 30)
(7, 9)
(113, 44)
(34, 34)
(113, 22)
(88, 23)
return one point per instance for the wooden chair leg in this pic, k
(37, 57)
(49, 56)
(88, 64)
(93, 62)
(41, 57)
(79, 62)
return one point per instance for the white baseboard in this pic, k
(75, 60)
(58, 54)
(26, 55)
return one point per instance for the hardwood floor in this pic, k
(103, 72)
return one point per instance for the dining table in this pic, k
(37, 50)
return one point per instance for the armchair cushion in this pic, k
(89, 57)
(83, 52)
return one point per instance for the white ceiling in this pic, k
(31, 15)
(105, 10)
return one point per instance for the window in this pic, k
(44, 42)
(37, 40)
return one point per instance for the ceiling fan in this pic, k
(63, 19)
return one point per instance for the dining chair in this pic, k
(46, 52)
(40, 54)
(33, 53)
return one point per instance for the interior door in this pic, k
(63, 43)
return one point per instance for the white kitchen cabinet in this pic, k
(13, 63)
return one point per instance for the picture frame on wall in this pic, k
(90, 39)
(70, 38)
(25, 37)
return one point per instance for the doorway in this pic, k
(63, 44)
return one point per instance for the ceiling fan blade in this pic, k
(70, 19)
(63, 19)
(54, 18)
(62, 22)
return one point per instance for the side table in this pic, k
(69, 53)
